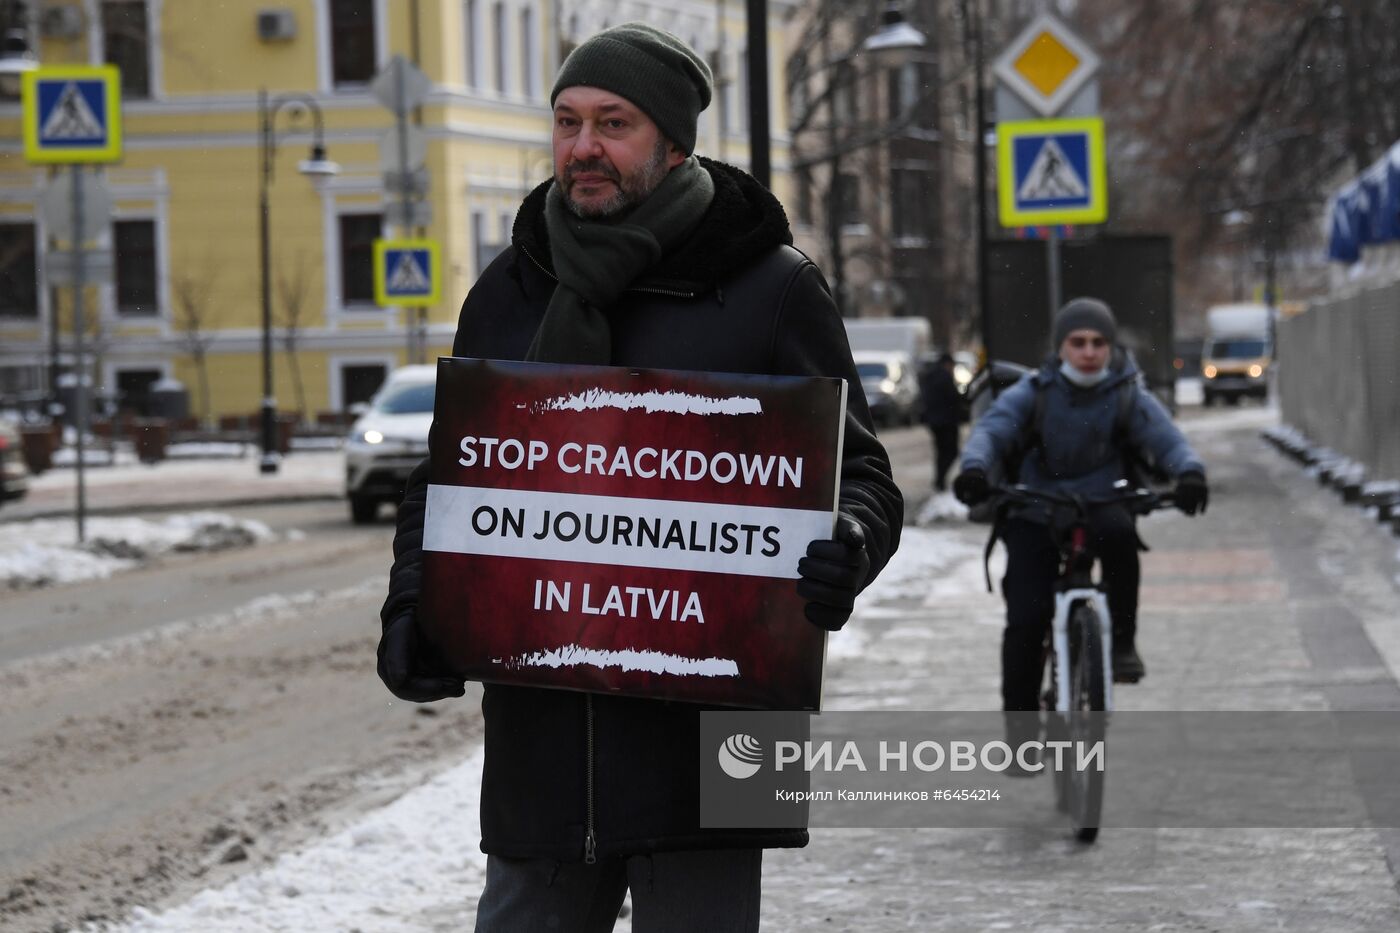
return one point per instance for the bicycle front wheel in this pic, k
(1087, 680)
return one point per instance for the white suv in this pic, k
(389, 440)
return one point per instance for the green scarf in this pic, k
(595, 261)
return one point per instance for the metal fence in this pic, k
(1338, 380)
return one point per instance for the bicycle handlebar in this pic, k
(1138, 500)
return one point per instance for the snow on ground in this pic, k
(1190, 392)
(46, 551)
(386, 873)
(1236, 419)
(327, 465)
(941, 507)
(396, 870)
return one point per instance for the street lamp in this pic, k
(972, 35)
(16, 52)
(896, 41)
(893, 44)
(317, 167)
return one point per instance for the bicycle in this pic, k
(1079, 645)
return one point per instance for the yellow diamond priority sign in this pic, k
(1046, 65)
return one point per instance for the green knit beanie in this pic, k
(650, 67)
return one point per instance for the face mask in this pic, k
(1083, 380)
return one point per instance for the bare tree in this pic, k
(293, 298)
(1227, 113)
(195, 319)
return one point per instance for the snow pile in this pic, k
(46, 551)
(941, 507)
(381, 875)
(931, 563)
(926, 558)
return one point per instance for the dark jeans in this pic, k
(714, 891)
(945, 453)
(1032, 563)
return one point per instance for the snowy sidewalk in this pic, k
(1246, 580)
(181, 484)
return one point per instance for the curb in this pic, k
(166, 507)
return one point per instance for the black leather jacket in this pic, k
(620, 776)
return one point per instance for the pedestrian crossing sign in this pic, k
(1051, 172)
(407, 273)
(72, 114)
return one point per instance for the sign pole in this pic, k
(401, 122)
(80, 396)
(72, 115)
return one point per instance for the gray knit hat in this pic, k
(1085, 314)
(650, 67)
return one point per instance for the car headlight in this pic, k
(887, 386)
(372, 437)
(1256, 371)
(1210, 372)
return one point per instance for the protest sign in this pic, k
(629, 531)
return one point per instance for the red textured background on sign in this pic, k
(480, 610)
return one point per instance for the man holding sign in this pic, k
(636, 254)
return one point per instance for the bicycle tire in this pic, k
(1086, 725)
(1055, 728)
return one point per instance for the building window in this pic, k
(134, 248)
(19, 278)
(848, 199)
(902, 89)
(843, 93)
(357, 235)
(359, 382)
(804, 195)
(352, 41)
(909, 202)
(797, 88)
(126, 43)
(498, 31)
(741, 86)
(529, 54)
(134, 390)
(472, 47)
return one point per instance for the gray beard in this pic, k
(631, 191)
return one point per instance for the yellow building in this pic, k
(185, 226)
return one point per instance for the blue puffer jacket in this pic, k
(1077, 454)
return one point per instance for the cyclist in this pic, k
(1075, 427)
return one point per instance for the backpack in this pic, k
(1136, 463)
(1031, 440)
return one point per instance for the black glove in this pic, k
(832, 574)
(404, 670)
(971, 487)
(1191, 493)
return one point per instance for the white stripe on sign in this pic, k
(751, 541)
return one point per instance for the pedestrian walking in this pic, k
(943, 407)
(637, 253)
